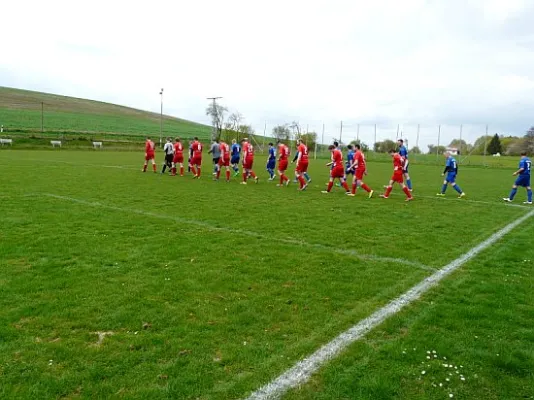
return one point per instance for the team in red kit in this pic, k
(356, 165)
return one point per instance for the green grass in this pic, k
(212, 289)
(21, 111)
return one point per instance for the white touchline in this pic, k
(318, 246)
(304, 369)
(502, 203)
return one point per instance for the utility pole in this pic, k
(161, 119)
(214, 116)
(358, 133)
(460, 146)
(42, 117)
(340, 132)
(439, 137)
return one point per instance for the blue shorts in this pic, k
(451, 177)
(271, 164)
(523, 181)
(349, 171)
(235, 160)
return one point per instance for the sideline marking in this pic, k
(347, 252)
(304, 369)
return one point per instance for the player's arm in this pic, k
(297, 155)
(520, 170)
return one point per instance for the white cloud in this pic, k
(407, 62)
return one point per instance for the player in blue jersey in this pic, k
(271, 161)
(523, 179)
(350, 160)
(305, 174)
(403, 151)
(236, 155)
(450, 172)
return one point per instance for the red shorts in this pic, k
(196, 161)
(397, 177)
(302, 166)
(359, 174)
(282, 165)
(178, 158)
(247, 163)
(337, 172)
(149, 156)
(224, 162)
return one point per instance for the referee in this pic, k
(215, 152)
(168, 149)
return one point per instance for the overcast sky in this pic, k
(388, 62)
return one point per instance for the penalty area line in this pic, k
(304, 369)
(257, 235)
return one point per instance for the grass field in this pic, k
(119, 284)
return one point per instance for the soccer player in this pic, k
(225, 160)
(306, 176)
(248, 161)
(283, 155)
(215, 152)
(150, 154)
(196, 159)
(178, 157)
(350, 160)
(168, 149)
(271, 161)
(302, 164)
(360, 169)
(236, 153)
(523, 179)
(403, 151)
(451, 169)
(398, 165)
(337, 169)
(190, 156)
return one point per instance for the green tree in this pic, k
(217, 114)
(494, 145)
(310, 138)
(415, 150)
(384, 146)
(529, 141)
(433, 149)
(480, 144)
(363, 146)
(282, 133)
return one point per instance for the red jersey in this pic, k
(248, 150)
(196, 147)
(149, 147)
(225, 150)
(303, 152)
(284, 151)
(337, 158)
(178, 148)
(398, 162)
(359, 159)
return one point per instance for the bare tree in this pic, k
(217, 114)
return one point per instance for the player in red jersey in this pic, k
(360, 169)
(302, 164)
(283, 158)
(196, 160)
(178, 157)
(248, 161)
(224, 161)
(337, 170)
(398, 176)
(150, 154)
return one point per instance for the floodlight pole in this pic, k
(214, 116)
(161, 118)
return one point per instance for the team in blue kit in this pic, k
(236, 155)
(350, 159)
(271, 161)
(523, 179)
(403, 152)
(450, 172)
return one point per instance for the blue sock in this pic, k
(529, 195)
(512, 193)
(307, 176)
(457, 188)
(409, 183)
(444, 188)
(271, 172)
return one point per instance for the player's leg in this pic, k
(164, 167)
(343, 181)
(181, 169)
(443, 188)
(408, 180)
(145, 165)
(389, 188)
(330, 184)
(364, 186)
(154, 167)
(173, 168)
(457, 188)
(406, 191)
(193, 169)
(529, 194)
(354, 184)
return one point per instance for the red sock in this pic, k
(181, 171)
(282, 179)
(218, 173)
(353, 188)
(194, 171)
(227, 175)
(407, 191)
(198, 172)
(144, 167)
(154, 167)
(344, 184)
(173, 170)
(302, 181)
(253, 174)
(366, 188)
(244, 176)
(388, 191)
(330, 184)
(285, 177)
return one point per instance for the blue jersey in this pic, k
(350, 158)
(272, 154)
(403, 151)
(236, 149)
(451, 166)
(525, 164)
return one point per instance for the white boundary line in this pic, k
(318, 246)
(304, 369)
(473, 201)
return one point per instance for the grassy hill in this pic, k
(25, 113)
